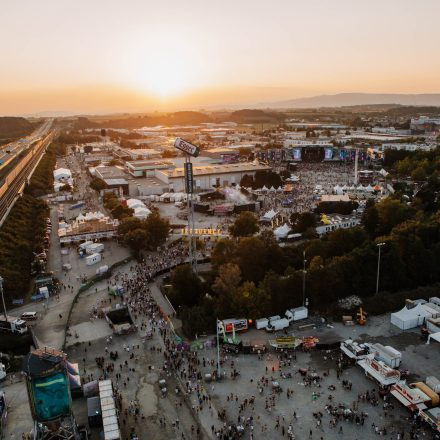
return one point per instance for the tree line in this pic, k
(253, 276)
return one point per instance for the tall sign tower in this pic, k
(189, 150)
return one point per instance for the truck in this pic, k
(13, 325)
(279, 324)
(297, 313)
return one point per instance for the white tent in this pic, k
(369, 188)
(141, 212)
(269, 215)
(410, 318)
(360, 188)
(272, 189)
(280, 189)
(62, 174)
(282, 231)
(264, 188)
(383, 172)
(337, 190)
(135, 203)
(345, 188)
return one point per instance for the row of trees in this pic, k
(147, 234)
(21, 235)
(42, 179)
(117, 209)
(261, 178)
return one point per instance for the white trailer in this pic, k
(261, 323)
(279, 324)
(85, 245)
(95, 248)
(433, 383)
(93, 259)
(379, 371)
(387, 354)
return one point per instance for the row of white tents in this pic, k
(139, 208)
(415, 314)
(339, 190)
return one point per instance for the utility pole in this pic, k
(356, 160)
(218, 352)
(379, 245)
(3, 299)
(304, 278)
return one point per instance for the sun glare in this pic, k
(164, 69)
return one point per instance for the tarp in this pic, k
(269, 215)
(410, 318)
(282, 231)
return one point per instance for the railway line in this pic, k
(13, 184)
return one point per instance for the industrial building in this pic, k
(146, 168)
(208, 176)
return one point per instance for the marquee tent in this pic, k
(410, 318)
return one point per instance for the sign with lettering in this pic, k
(189, 180)
(186, 147)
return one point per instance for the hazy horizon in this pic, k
(109, 56)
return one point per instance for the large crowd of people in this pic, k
(259, 411)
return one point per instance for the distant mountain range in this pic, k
(350, 99)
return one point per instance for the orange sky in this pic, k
(139, 55)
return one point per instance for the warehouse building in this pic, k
(208, 176)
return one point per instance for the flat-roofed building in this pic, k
(139, 153)
(118, 185)
(208, 176)
(104, 172)
(146, 168)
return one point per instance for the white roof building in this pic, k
(62, 174)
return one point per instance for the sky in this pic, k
(140, 55)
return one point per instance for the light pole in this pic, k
(304, 277)
(379, 245)
(3, 298)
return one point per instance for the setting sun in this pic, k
(163, 67)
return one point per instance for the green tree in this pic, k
(245, 225)
(223, 252)
(157, 229)
(391, 213)
(186, 287)
(370, 218)
(136, 240)
(302, 221)
(419, 174)
(97, 184)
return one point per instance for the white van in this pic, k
(279, 324)
(29, 316)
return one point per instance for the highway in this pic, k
(12, 149)
(13, 184)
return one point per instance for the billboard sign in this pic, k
(186, 147)
(189, 178)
